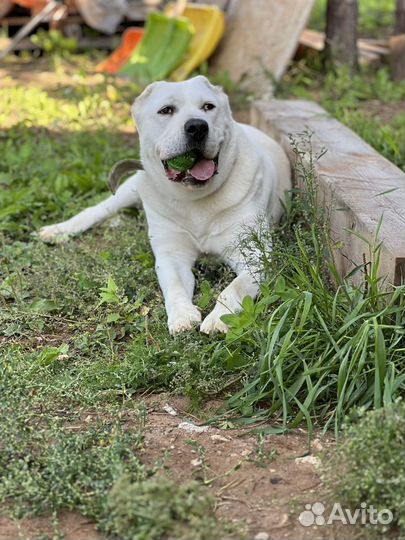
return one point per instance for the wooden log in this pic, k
(356, 183)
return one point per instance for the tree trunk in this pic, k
(397, 57)
(400, 17)
(341, 32)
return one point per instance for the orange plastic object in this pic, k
(35, 5)
(130, 40)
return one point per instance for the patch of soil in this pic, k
(71, 524)
(260, 486)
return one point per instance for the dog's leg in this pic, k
(125, 197)
(176, 279)
(230, 299)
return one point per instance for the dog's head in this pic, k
(183, 127)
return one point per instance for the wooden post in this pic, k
(341, 32)
(261, 38)
(400, 17)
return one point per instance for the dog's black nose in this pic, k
(196, 129)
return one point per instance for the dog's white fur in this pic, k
(185, 221)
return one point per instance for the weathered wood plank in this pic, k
(358, 184)
(369, 49)
(260, 39)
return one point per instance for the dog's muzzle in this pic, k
(193, 167)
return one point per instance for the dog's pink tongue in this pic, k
(203, 169)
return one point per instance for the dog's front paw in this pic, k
(183, 318)
(54, 234)
(212, 323)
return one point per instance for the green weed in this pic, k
(158, 508)
(50, 462)
(54, 459)
(368, 466)
(313, 351)
(100, 298)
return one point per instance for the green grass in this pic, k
(314, 350)
(51, 462)
(49, 172)
(357, 101)
(83, 324)
(115, 341)
(160, 509)
(48, 167)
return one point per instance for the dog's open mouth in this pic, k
(191, 168)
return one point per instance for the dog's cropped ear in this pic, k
(137, 104)
(220, 93)
(224, 100)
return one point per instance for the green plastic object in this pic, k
(184, 162)
(161, 49)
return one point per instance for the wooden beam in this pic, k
(369, 49)
(357, 184)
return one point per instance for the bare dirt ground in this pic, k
(386, 112)
(260, 486)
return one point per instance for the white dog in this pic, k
(238, 175)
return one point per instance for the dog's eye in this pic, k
(169, 109)
(208, 107)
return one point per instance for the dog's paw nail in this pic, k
(212, 324)
(185, 320)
